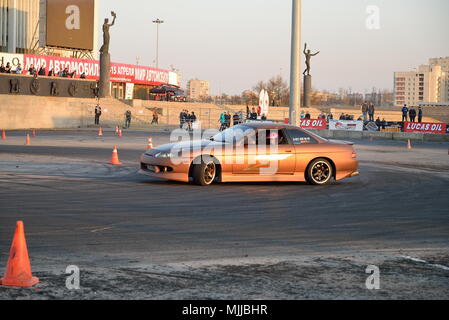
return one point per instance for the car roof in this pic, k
(270, 125)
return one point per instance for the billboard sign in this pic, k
(346, 125)
(90, 68)
(70, 24)
(438, 128)
(13, 59)
(318, 124)
(120, 72)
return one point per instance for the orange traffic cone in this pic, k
(114, 160)
(120, 133)
(3, 135)
(409, 145)
(100, 132)
(18, 269)
(28, 140)
(150, 143)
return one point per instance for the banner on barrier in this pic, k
(91, 68)
(438, 128)
(316, 124)
(346, 125)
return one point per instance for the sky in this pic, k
(236, 43)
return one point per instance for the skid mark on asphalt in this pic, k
(438, 266)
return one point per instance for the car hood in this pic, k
(197, 145)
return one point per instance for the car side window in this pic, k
(272, 137)
(300, 138)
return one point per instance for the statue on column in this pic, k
(105, 60)
(309, 56)
(106, 35)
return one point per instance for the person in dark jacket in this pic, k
(182, 119)
(32, 70)
(8, 68)
(97, 114)
(236, 119)
(228, 120)
(420, 115)
(253, 115)
(128, 116)
(412, 114)
(371, 111)
(404, 113)
(192, 120)
(42, 71)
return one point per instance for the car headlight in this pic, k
(162, 155)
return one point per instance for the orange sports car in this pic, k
(253, 152)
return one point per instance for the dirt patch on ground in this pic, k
(317, 278)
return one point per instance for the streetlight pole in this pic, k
(158, 22)
(295, 65)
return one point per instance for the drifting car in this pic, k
(254, 152)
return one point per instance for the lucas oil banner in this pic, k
(438, 128)
(317, 124)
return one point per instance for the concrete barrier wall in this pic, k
(399, 136)
(42, 86)
(25, 112)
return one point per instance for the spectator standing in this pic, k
(32, 71)
(19, 69)
(155, 117)
(83, 75)
(8, 68)
(307, 116)
(65, 73)
(404, 113)
(371, 111)
(236, 119)
(181, 119)
(228, 120)
(2, 68)
(420, 115)
(42, 71)
(97, 114)
(223, 121)
(51, 73)
(365, 111)
(303, 115)
(192, 121)
(412, 114)
(128, 116)
(253, 115)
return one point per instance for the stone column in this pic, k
(307, 91)
(105, 75)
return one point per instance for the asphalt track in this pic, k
(79, 210)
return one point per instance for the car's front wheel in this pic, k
(204, 174)
(320, 172)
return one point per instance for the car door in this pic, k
(306, 147)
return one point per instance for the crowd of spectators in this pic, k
(32, 71)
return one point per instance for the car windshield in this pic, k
(234, 134)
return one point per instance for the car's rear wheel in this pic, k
(320, 172)
(204, 174)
